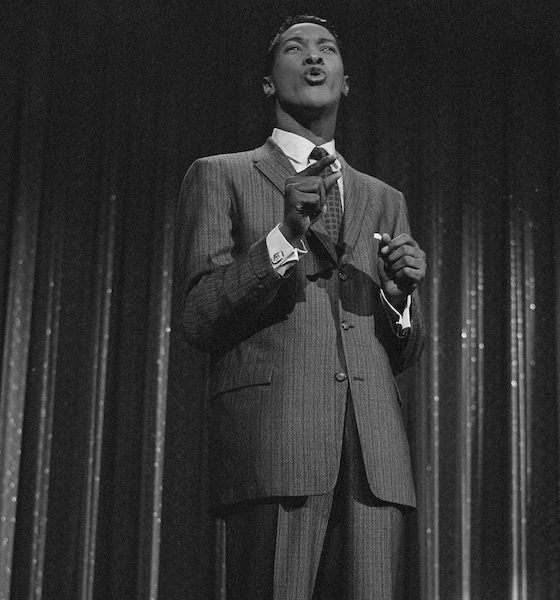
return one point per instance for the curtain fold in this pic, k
(102, 404)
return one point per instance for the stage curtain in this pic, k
(102, 404)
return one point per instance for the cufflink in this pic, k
(277, 257)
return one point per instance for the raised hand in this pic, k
(305, 197)
(401, 267)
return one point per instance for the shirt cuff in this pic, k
(282, 254)
(401, 322)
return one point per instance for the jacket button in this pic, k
(341, 376)
(345, 325)
(343, 275)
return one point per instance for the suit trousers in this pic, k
(343, 545)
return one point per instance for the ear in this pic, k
(346, 86)
(268, 87)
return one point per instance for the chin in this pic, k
(319, 106)
(317, 100)
(310, 107)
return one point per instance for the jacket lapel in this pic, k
(318, 231)
(273, 164)
(357, 198)
(355, 204)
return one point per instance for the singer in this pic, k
(307, 316)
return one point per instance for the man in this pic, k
(299, 280)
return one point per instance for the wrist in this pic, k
(293, 239)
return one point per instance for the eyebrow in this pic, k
(296, 38)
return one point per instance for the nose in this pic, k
(313, 59)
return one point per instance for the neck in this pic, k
(317, 128)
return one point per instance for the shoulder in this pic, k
(376, 186)
(221, 173)
(229, 161)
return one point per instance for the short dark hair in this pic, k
(289, 22)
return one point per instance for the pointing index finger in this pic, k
(317, 167)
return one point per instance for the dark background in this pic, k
(104, 106)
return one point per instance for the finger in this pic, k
(407, 261)
(308, 203)
(386, 238)
(305, 184)
(397, 242)
(311, 205)
(317, 167)
(383, 244)
(303, 199)
(318, 213)
(409, 272)
(403, 251)
(400, 240)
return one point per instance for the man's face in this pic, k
(307, 72)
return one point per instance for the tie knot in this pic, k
(318, 153)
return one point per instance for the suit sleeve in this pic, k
(221, 289)
(404, 351)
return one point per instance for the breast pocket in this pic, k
(236, 376)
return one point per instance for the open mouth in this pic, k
(315, 76)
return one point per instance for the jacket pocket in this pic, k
(237, 376)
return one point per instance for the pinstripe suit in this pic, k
(285, 351)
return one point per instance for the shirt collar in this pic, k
(298, 148)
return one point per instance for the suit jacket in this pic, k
(285, 349)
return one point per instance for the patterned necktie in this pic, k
(333, 217)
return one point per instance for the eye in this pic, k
(329, 49)
(292, 48)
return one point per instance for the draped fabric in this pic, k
(102, 435)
